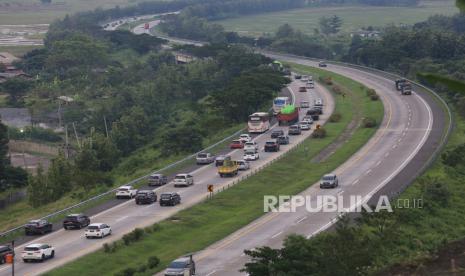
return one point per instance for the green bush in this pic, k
(374, 97)
(319, 133)
(369, 122)
(371, 92)
(337, 89)
(153, 262)
(335, 117)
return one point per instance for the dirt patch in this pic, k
(29, 161)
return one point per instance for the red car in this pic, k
(302, 89)
(237, 144)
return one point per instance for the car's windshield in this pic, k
(154, 177)
(28, 248)
(180, 177)
(165, 196)
(202, 155)
(123, 189)
(71, 217)
(328, 177)
(270, 143)
(279, 102)
(178, 265)
(93, 227)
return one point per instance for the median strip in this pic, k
(205, 223)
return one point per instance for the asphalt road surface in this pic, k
(406, 128)
(125, 217)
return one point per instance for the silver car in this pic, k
(243, 165)
(329, 181)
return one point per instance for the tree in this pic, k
(185, 138)
(36, 190)
(284, 31)
(59, 178)
(330, 25)
(16, 89)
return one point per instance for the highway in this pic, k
(125, 217)
(406, 128)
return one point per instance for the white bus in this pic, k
(259, 122)
(279, 103)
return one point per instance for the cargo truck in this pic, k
(288, 115)
(229, 167)
(406, 89)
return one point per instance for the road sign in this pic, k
(210, 188)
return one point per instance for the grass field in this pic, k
(207, 222)
(354, 17)
(18, 50)
(33, 12)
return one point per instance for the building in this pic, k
(7, 59)
(366, 34)
(182, 58)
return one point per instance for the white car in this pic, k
(97, 230)
(304, 104)
(251, 156)
(38, 252)
(126, 192)
(251, 146)
(310, 85)
(308, 120)
(304, 126)
(245, 138)
(243, 165)
(183, 179)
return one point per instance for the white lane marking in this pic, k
(211, 273)
(277, 234)
(368, 172)
(302, 219)
(377, 163)
(395, 146)
(122, 218)
(356, 181)
(340, 192)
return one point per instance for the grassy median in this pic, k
(205, 223)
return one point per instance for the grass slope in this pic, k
(205, 223)
(354, 17)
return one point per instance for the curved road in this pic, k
(405, 132)
(124, 217)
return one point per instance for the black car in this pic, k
(297, 77)
(322, 64)
(170, 199)
(146, 197)
(283, 140)
(38, 226)
(313, 111)
(271, 146)
(4, 250)
(276, 133)
(76, 221)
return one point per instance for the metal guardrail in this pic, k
(132, 182)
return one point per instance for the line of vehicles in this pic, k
(404, 86)
(259, 122)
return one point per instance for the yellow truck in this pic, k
(229, 168)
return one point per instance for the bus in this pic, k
(259, 122)
(279, 103)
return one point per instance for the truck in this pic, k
(406, 89)
(288, 115)
(204, 158)
(399, 83)
(229, 167)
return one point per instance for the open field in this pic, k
(195, 228)
(354, 17)
(34, 12)
(17, 51)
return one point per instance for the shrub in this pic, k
(369, 122)
(319, 133)
(371, 92)
(335, 117)
(374, 97)
(106, 248)
(138, 233)
(153, 262)
(337, 89)
(142, 268)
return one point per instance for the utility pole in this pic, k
(106, 127)
(13, 262)
(75, 134)
(66, 142)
